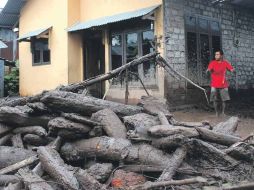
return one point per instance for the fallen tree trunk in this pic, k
(113, 73)
(173, 121)
(228, 127)
(53, 164)
(39, 108)
(170, 142)
(66, 128)
(16, 117)
(16, 141)
(33, 181)
(36, 140)
(220, 138)
(77, 103)
(114, 149)
(174, 164)
(37, 130)
(111, 124)
(241, 151)
(167, 130)
(80, 119)
(155, 185)
(245, 186)
(163, 119)
(11, 155)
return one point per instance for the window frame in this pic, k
(32, 43)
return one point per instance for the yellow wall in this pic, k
(38, 14)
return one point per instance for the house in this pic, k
(68, 41)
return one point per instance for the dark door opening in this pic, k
(94, 62)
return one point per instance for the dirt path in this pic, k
(245, 127)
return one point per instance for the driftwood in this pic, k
(84, 105)
(100, 172)
(154, 185)
(109, 75)
(14, 186)
(244, 186)
(5, 179)
(163, 119)
(111, 124)
(53, 164)
(33, 181)
(115, 150)
(16, 117)
(79, 119)
(241, 151)
(36, 140)
(173, 121)
(220, 138)
(39, 108)
(228, 127)
(16, 141)
(11, 155)
(18, 165)
(37, 130)
(176, 161)
(66, 128)
(4, 139)
(167, 130)
(170, 142)
(12, 102)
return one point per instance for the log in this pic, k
(241, 151)
(16, 117)
(79, 119)
(14, 186)
(207, 152)
(33, 181)
(205, 124)
(4, 129)
(244, 186)
(36, 140)
(100, 172)
(18, 165)
(170, 142)
(54, 165)
(66, 128)
(163, 119)
(228, 127)
(113, 149)
(96, 131)
(39, 108)
(77, 103)
(220, 138)
(167, 130)
(6, 179)
(176, 160)
(141, 122)
(87, 181)
(111, 124)
(4, 139)
(11, 155)
(17, 141)
(77, 86)
(164, 184)
(12, 102)
(37, 130)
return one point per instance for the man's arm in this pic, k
(230, 67)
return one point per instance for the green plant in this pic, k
(11, 82)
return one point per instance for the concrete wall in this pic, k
(236, 24)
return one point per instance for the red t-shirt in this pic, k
(218, 73)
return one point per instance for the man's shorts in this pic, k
(223, 92)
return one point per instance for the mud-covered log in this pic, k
(5, 139)
(220, 138)
(87, 181)
(170, 142)
(39, 108)
(33, 181)
(79, 119)
(14, 186)
(141, 122)
(78, 103)
(4, 129)
(54, 165)
(100, 172)
(241, 151)
(175, 162)
(227, 127)
(173, 121)
(15, 117)
(37, 130)
(163, 119)
(12, 102)
(11, 155)
(115, 150)
(6, 179)
(111, 124)
(213, 155)
(16, 141)
(36, 140)
(167, 130)
(66, 128)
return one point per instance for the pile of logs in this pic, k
(66, 140)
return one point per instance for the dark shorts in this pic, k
(219, 92)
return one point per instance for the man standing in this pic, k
(219, 84)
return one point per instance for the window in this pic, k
(127, 46)
(203, 38)
(40, 51)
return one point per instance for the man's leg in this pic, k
(223, 108)
(215, 105)
(224, 97)
(214, 99)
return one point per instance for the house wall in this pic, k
(9, 38)
(35, 15)
(236, 24)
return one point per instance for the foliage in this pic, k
(11, 82)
